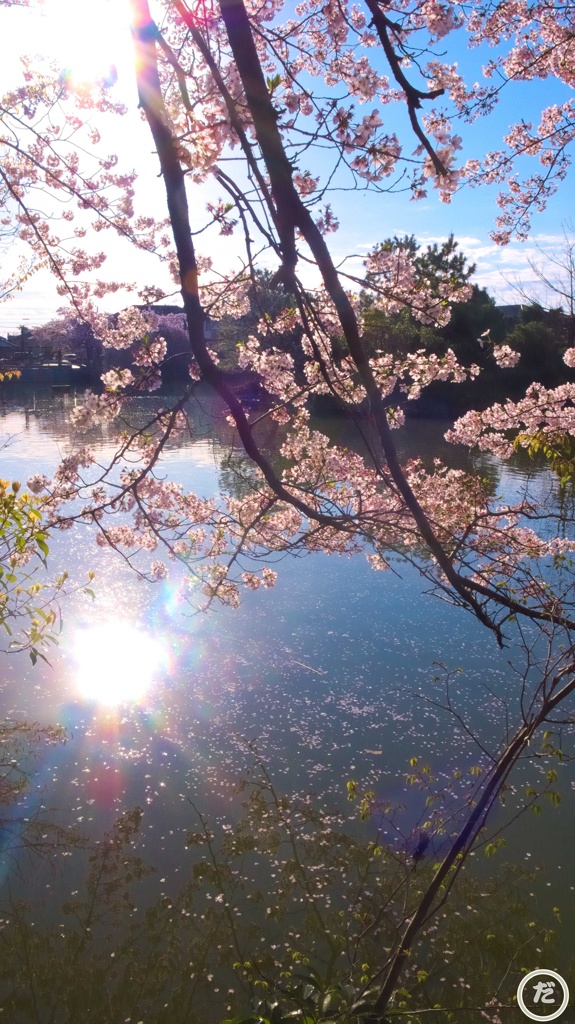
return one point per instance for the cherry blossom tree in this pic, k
(284, 97)
(65, 333)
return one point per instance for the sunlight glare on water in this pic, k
(116, 663)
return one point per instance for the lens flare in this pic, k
(117, 663)
(87, 43)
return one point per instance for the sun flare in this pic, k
(88, 43)
(116, 663)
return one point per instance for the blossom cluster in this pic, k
(542, 411)
(505, 356)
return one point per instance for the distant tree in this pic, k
(436, 265)
(541, 337)
(401, 332)
(554, 270)
(68, 333)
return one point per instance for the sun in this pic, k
(89, 41)
(117, 663)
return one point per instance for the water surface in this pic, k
(331, 675)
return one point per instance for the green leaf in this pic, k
(41, 543)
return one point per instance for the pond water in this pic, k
(330, 674)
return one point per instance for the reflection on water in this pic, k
(116, 663)
(331, 674)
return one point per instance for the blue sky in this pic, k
(365, 218)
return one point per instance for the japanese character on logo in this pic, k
(544, 991)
